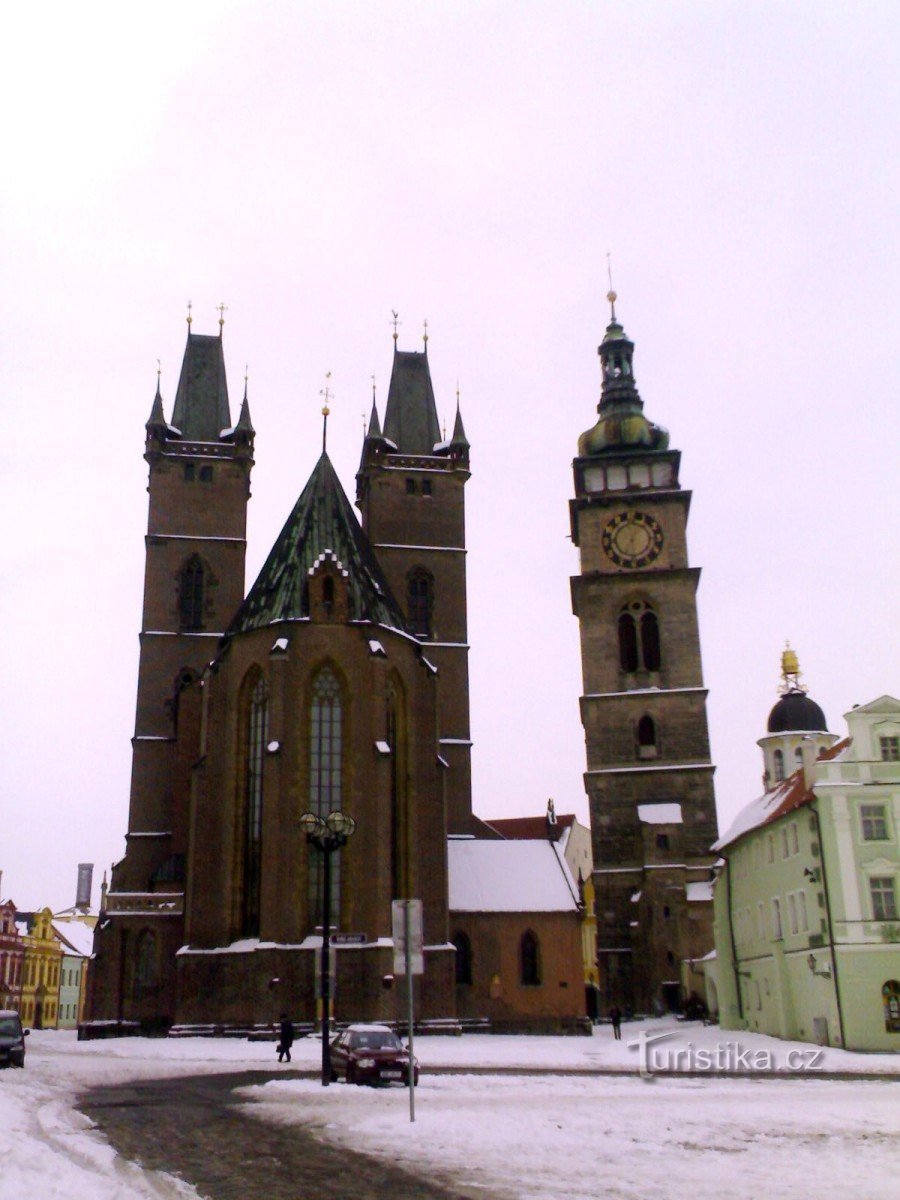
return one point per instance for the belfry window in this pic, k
(778, 761)
(325, 778)
(255, 722)
(191, 594)
(639, 643)
(420, 601)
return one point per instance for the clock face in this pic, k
(632, 539)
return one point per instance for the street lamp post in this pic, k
(327, 835)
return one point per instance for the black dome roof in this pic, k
(795, 711)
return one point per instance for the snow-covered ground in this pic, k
(549, 1136)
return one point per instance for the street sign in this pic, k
(407, 914)
(349, 939)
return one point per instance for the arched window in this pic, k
(639, 643)
(646, 737)
(325, 777)
(529, 960)
(191, 594)
(463, 958)
(420, 601)
(778, 760)
(146, 962)
(255, 719)
(798, 757)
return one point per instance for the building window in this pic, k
(411, 488)
(529, 960)
(325, 777)
(884, 898)
(463, 958)
(770, 848)
(426, 487)
(255, 724)
(662, 841)
(777, 933)
(794, 837)
(804, 918)
(890, 996)
(874, 822)
(778, 760)
(792, 912)
(785, 846)
(890, 749)
(206, 474)
(798, 758)
(189, 472)
(420, 601)
(646, 738)
(145, 962)
(190, 594)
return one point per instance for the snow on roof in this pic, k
(699, 891)
(660, 814)
(509, 876)
(77, 935)
(791, 793)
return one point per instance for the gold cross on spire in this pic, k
(326, 395)
(222, 309)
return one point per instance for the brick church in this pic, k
(339, 682)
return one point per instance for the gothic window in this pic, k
(255, 717)
(463, 958)
(778, 759)
(646, 737)
(529, 960)
(145, 962)
(420, 601)
(639, 643)
(325, 771)
(191, 594)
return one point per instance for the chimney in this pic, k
(85, 879)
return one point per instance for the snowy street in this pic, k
(547, 1135)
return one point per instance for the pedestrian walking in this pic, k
(615, 1017)
(285, 1038)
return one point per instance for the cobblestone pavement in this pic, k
(195, 1128)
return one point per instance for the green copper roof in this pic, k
(201, 410)
(322, 524)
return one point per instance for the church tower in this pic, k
(411, 494)
(649, 778)
(199, 484)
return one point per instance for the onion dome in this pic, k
(622, 423)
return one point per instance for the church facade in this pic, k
(338, 683)
(649, 778)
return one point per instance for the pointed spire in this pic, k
(374, 430)
(245, 425)
(201, 409)
(459, 440)
(410, 416)
(157, 419)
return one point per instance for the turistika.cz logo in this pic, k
(655, 1058)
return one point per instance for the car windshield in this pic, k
(375, 1039)
(9, 1026)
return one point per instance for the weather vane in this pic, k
(222, 309)
(396, 322)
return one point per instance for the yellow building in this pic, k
(41, 970)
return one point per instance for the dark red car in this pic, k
(371, 1054)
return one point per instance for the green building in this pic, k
(805, 908)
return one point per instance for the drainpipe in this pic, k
(834, 966)
(734, 960)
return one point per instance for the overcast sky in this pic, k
(315, 165)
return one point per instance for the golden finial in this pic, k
(373, 389)
(396, 322)
(158, 373)
(790, 670)
(246, 372)
(610, 295)
(425, 332)
(222, 309)
(189, 317)
(326, 395)
(457, 394)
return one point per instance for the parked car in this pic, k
(12, 1039)
(371, 1054)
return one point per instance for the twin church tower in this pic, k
(340, 681)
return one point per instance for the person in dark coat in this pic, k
(285, 1038)
(615, 1017)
